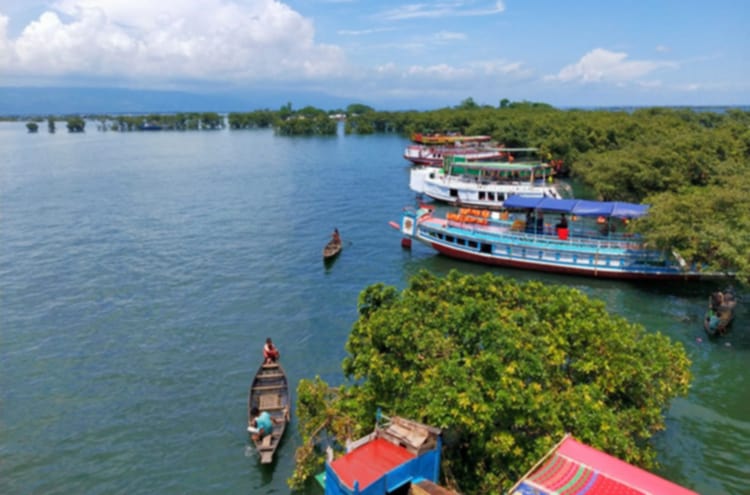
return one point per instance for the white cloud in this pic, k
(663, 49)
(211, 40)
(443, 9)
(449, 36)
(439, 71)
(600, 65)
(362, 32)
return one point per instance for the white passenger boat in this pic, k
(484, 184)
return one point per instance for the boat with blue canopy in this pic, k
(572, 236)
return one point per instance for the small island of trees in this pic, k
(504, 368)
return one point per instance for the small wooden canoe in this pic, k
(270, 392)
(332, 249)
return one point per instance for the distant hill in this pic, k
(23, 101)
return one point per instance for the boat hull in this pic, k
(332, 250)
(270, 392)
(525, 264)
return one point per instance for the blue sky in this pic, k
(390, 54)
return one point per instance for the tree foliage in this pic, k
(76, 124)
(504, 368)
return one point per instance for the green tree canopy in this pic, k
(504, 368)
(76, 124)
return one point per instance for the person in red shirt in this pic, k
(270, 352)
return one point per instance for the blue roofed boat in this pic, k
(398, 454)
(571, 236)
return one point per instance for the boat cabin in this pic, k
(387, 461)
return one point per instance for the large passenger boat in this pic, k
(570, 236)
(484, 184)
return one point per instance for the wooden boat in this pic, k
(332, 249)
(270, 392)
(485, 184)
(720, 312)
(524, 237)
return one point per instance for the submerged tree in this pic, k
(76, 124)
(504, 368)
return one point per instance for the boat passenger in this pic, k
(540, 223)
(261, 424)
(335, 237)
(270, 352)
(563, 224)
(529, 227)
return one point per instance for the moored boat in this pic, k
(420, 154)
(583, 241)
(452, 139)
(720, 312)
(269, 392)
(484, 184)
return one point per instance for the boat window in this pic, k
(450, 238)
(473, 244)
(491, 196)
(461, 241)
(481, 194)
(454, 193)
(486, 248)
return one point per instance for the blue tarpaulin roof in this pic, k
(580, 207)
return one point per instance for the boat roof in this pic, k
(497, 165)
(575, 468)
(369, 462)
(446, 138)
(580, 207)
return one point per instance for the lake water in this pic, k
(141, 272)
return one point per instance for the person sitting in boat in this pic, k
(717, 300)
(335, 237)
(270, 352)
(261, 424)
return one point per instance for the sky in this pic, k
(390, 54)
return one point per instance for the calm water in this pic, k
(140, 273)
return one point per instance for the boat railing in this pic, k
(581, 238)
